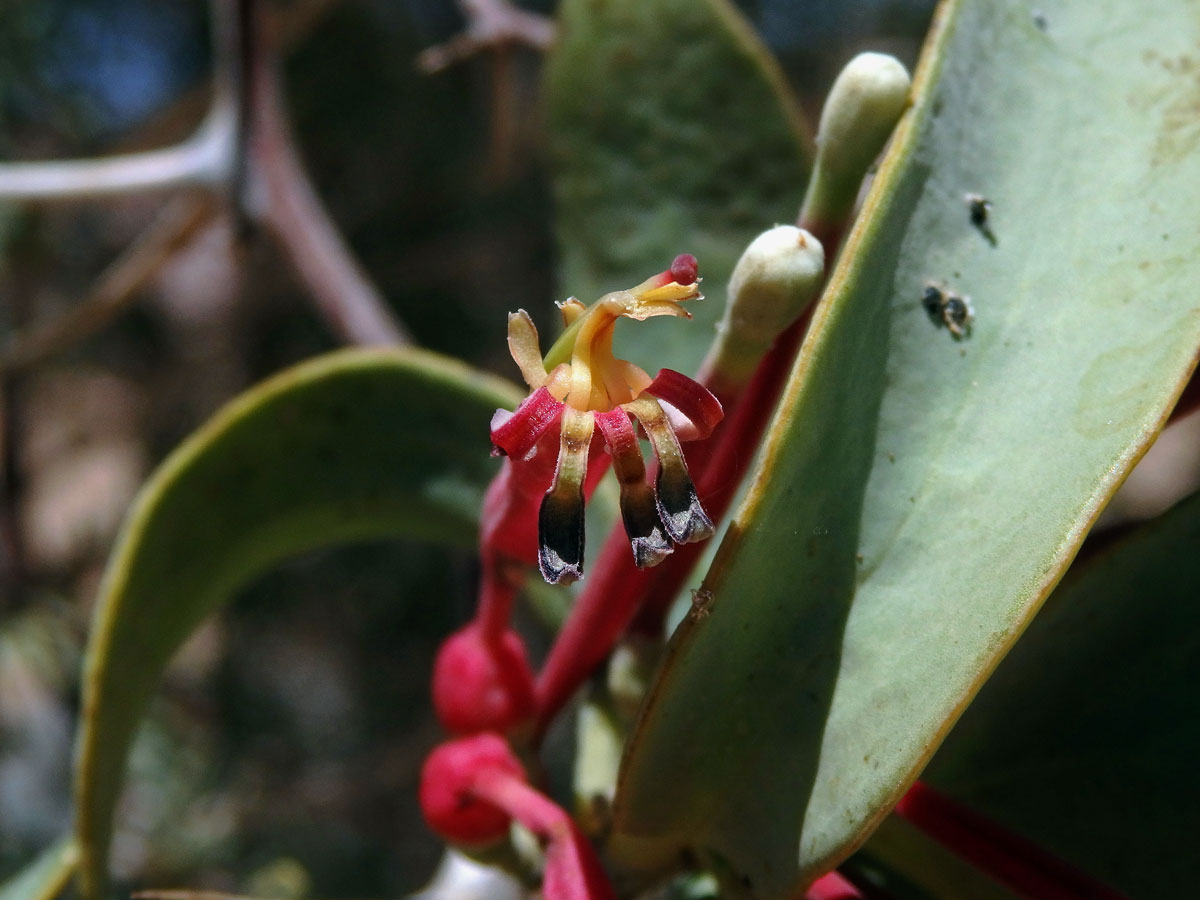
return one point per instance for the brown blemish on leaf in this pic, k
(1179, 132)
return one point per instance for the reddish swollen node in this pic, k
(482, 683)
(447, 794)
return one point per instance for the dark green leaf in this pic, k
(355, 445)
(672, 131)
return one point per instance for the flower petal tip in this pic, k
(679, 507)
(556, 570)
(648, 552)
(560, 538)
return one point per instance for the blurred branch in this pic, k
(12, 535)
(117, 287)
(200, 161)
(243, 146)
(491, 25)
(279, 195)
(12, 544)
(495, 28)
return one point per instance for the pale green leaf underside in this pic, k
(354, 445)
(1086, 738)
(671, 131)
(45, 877)
(920, 496)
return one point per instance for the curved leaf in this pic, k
(920, 495)
(671, 131)
(354, 445)
(45, 877)
(1085, 740)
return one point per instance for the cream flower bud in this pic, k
(860, 112)
(777, 276)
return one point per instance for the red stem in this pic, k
(1007, 858)
(573, 871)
(526, 804)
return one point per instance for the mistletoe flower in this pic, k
(580, 389)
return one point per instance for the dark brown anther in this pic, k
(679, 506)
(647, 537)
(560, 536)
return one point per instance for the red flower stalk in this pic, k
(580, 388)
(1011, 860)
(471, 791)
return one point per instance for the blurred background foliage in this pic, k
(282, 755)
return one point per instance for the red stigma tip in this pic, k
(685, 269)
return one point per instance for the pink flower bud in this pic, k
(447, 794)
(481, 684)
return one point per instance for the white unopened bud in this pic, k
(776, 278)
(860, 112)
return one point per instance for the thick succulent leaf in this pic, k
(1085, 740)
(45, 877)
(920, 495)
(353, 445)
(671, 131)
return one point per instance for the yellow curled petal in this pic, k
(635, 377)
(571, 310)
(671, 292)
(525, 349)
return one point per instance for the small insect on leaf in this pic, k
(980, 209)
(949, 309)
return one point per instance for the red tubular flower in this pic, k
(581, 389)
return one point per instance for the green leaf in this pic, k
(919, 496)
(354, 445)
(45, 877)
(1086, 738)
(671, 131)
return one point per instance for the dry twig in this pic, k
(116, 288)
(491, 25)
